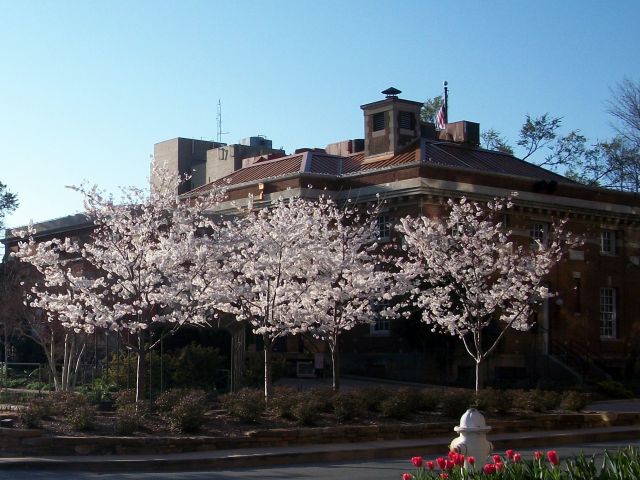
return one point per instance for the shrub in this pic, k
(430, 399)
(494, 401)
(194, 366)
(454, 403)
(82, 417)
(63, 403)
(128, 420)
(35, 411)
(124, 397)
(614, 389)
(372, 398)
(396, 406)
(188, 413)
(412, 397)
(284, 401)
(247, 404)
(306, 411)
(348, 406)
(574, 401)
(323, 398)
(169, 399)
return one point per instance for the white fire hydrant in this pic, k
(472, 441)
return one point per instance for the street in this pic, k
(368, 470)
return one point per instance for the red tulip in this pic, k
(407, 476)
(417, 461)
(552, 455)
(517, 458)
(499, 466)
(538, 455)
(444, 475)
(451, 454)
(489, 469)
(471, 460)
(441, 463)
(430, 465)
(497, 458)
(459, 459)
(448, 465)
(509, 454)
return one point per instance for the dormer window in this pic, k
(378, 121)
(406, 120)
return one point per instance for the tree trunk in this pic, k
(479, 379)
(335, 364)
(140, 368)
(267, 368)
(6, 357)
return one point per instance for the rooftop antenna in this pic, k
(219, 122)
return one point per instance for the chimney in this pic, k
(461, 132)
(390, 124)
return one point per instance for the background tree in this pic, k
(8, 202)
(134, 271)
(430, 109)
(624, 107)
(492, 140)
(349, 281)
(475, 273)
(55, 302)
(274, 259)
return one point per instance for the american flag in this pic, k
(441, 117)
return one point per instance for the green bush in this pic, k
(454, 403)
(348, 406)
(194, 366)
(323, 398)
(372, 398)
(128, 420)
(169, 399)
(188, 413)
(574, 401)
(247, 404)
(306, 411)
(494, 401)
(284, 400)
(614, 389)
(37, 409)
(82, 417)
(396, 406)
(430, 399)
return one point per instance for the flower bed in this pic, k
(621, 465)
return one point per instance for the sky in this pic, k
(88, 87)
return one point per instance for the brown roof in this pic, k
(435, 153)
(488, 161)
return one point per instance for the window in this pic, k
(384, 227)
(608, 312)
(378, 121)
(406, 120)
(538, 232)
(578, 290)
(382, 325)
(608, 242)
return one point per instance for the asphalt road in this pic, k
(369, 470)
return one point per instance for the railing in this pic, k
(579, 357)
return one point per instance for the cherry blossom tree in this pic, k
(275, 255)
(349, 281)
(138, 267)
(474, 272)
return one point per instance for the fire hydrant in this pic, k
(472, 441)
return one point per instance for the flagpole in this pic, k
(446, 102)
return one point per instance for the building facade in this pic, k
(592, 326)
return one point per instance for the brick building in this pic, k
(592, 327)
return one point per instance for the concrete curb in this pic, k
(261, 457)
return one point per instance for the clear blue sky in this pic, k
(87, 87)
